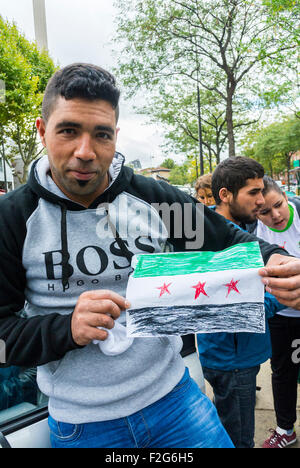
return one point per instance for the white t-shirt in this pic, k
(289, 239)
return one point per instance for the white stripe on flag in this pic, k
(226, 287)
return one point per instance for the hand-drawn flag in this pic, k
(197, 292)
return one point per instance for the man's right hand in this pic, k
(96, 309)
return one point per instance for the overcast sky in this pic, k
(82, 30)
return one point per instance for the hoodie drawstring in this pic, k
(64, 244)
(64, 247)
(123, 247)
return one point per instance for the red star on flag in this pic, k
(199, 289)
(164, 289)
(232, 287)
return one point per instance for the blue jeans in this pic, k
(235, 397)
(185, 418)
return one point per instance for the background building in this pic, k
(158, 173)
(6, 177)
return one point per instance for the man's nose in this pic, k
(260, 200)
(84, 149)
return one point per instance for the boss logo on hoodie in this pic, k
(92, 261)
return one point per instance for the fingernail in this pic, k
(265, 281)
(127, 305)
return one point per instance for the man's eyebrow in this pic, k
(105, 128)
(67, 123)
(70, 124)
(255, 190)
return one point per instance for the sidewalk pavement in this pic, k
(264, 411)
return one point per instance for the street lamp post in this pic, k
(40, 24)
(199, 119)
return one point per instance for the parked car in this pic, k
(185, 189)
(25, 425)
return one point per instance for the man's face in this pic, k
(80, 137)
(245, 206)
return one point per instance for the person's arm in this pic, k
(272, 306)
(221, 234)
(191, 225)
(281, 277)
(28, 341)
(281, 274)
(35, 341)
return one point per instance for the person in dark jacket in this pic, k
(67, 240)
(231, 361)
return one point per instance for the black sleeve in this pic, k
(28, 341)
(217, 234)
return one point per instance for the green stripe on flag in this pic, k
(240, 256)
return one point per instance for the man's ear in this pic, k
(225, 195)
(41, 128)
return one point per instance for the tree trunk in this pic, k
(288, 163)
(210, 160)
(271, 169)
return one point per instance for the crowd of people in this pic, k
(239, 190)
(64, 276)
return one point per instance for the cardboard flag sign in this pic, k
(196, 292)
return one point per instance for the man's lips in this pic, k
(82, 175)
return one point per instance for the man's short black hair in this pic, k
(233, 173)
(81, 80)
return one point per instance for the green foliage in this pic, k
(168, 163)
(179, 115)
(274, 144)
(178, 176)
(278, 6)
(25, 71)
(243, 52)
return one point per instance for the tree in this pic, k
(233, 48)
(182, 174)
(25, 71)
(274, 145)
(168, 163)
(179, 116)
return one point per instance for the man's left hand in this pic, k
(281, 276)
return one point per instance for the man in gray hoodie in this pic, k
(65, 263)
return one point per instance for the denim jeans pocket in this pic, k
(182, 386)
(65, 431)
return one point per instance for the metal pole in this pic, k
(200, 132)
(199, 118)
(40, 23)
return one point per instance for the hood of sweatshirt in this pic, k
(42, 184)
